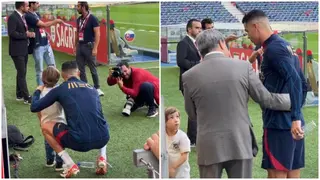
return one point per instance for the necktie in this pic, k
(198, 50)
(26, 26)
(25, 22)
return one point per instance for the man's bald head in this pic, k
(257, 26)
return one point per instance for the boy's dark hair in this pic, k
(120, 64)
(32, 2)
(206, 21)
(50, 76)
(253, 15)
(189, 24)
(69, 65)
(84, 4)
(170, 110)
(19, 4)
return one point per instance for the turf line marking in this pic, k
(138, 24)
(152, 67)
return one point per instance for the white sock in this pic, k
(103, 152)
(66, 158)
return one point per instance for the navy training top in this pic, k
(282, 75)
(82, 107)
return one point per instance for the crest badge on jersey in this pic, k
(129, 36)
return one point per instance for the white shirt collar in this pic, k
(192, 39)
(214, 52)
(19, 13)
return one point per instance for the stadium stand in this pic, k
(179, 12)
(284, 11)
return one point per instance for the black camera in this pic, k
(117, 72)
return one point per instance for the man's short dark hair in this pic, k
(32, 2)
(120, 64)
(253, 15)
(19, 4)
(84, 4)
(206, 21)
(189, 24)
(69, 65)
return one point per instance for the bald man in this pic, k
(283, 143)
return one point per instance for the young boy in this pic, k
(178, 145)
(50, 77)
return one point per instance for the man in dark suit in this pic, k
(18, 48)
(187, 57)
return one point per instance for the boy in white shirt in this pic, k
(178, 145)
(50, 78)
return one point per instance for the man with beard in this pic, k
(86, 43)
(207, 23)
(187, 57)
(41, 49)
(140, 86)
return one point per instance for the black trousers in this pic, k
(145, 95)
(84, 57)
(20, 62)
(192, 129)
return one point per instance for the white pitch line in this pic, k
(141, 30)
(152, 31)
(138, 24)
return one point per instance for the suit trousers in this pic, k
(234, 168)
(84, 57)
(20, 62)
(192, 129)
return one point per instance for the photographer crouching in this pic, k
(140, 86)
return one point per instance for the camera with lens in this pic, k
(127, 107)
(117, 72)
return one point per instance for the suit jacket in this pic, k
(216, 93)
(18, 40)
(187, 56)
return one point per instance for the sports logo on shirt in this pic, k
(72, 85)
(290, 49)
(175, 145)
(129, 36)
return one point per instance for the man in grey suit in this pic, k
(216, 93)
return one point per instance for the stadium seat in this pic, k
(284, 11)
(188, 10)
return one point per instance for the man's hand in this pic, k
(172, 172)
(259, 52)
(120, 82)
(31, 34)
(40, 88)
(231, 37)
(110, 72)
(94, 52)
(153, 144)
(58, 21)
(296, 131)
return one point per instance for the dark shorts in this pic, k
(281, 151)
(66, 140)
